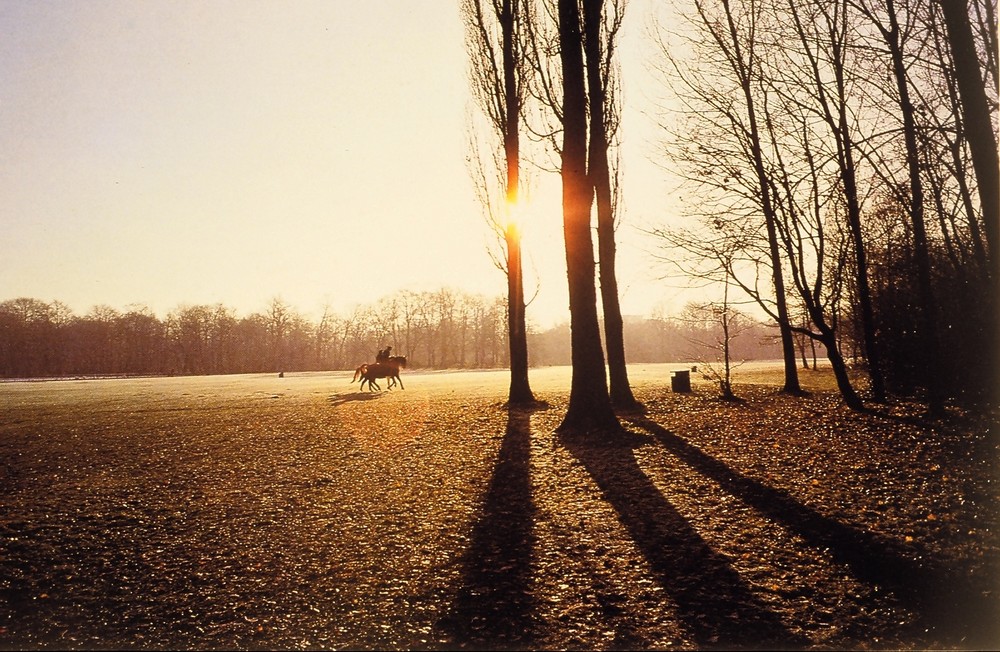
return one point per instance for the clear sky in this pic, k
(204, 151)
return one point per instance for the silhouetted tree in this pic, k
(824, 30)
(589, 403)
(720, 324)
(883, 16)
(498, 70)
(729, 113)
(978, 117)
(600, 34)
(976, 113)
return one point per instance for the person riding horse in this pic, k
(383, 354)
(388, 368)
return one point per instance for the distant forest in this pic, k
(446, 329)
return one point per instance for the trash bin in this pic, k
(680, 380)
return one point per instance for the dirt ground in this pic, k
(257, 512)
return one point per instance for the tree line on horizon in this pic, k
(445, 329)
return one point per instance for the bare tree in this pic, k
(589, 403)
(815, 258)
(975, 108)
(600, 34)
(279, 318)
(725, 150)
(978, 117)
(497, 72)
(884, 16)
(324, 336)
(726, 323)
(823, 30)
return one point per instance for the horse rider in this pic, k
(383, 355)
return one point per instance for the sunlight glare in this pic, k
(518, 215)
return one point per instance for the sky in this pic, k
(199, 152)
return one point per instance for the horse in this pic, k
(368, 374)
(388, 369)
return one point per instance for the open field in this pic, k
(297, 512)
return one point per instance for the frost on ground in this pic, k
(258, 512)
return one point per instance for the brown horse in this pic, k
(387, 369)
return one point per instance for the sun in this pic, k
(518, 213)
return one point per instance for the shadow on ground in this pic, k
(340, 399)
(494, 606)
(951, 608)
(495, 609)
(714, 604)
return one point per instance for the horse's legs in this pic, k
(396, 377)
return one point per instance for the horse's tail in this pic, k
(360, 371)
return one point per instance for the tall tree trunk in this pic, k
(589, 403)
(872, 351)
(983, 145)
(520, 389)
(727, 385)
(848, 176)
(978, 122)
(744, 71)
(927, 319)
(600, 177)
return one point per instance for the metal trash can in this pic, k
(680, 380)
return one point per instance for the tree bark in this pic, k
(600, 176)
(978, 123)
(848, 176)
(589, 403)
(520, 389)
(983, 145)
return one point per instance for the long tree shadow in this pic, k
(713, 602)
(952, 608)
(494, 607)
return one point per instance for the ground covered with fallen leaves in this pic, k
(257, 512)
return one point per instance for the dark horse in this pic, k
(387, 369)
